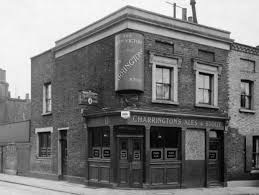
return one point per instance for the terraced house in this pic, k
(136, 99)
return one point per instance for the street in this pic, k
(16, 189)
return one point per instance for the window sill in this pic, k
(207, 106)
(247, 111)
(165, 102)
(43, 158)
(256, 171)
(46, 114)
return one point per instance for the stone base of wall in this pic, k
(10, 171)
(74, 179)
(244, 183)
(43, 175)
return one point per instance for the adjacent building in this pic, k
(137, 99)
(14, 130)
(242, 137)
(12, 109)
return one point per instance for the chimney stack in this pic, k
(193, 2)
(27, 96)
(184, 14)
(2, 75)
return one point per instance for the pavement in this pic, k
(65, 187)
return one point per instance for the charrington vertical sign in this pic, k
(129, 61)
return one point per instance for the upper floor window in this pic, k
(206, 84)
(47, 101)
(246, 95)
(163, 83)
(205, 88)
(165, 79)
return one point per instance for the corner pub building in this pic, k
(136, 99)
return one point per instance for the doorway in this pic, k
(130, 161)
(63, 144)
(215, 159)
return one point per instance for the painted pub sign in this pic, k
(87, 98)
(129, 61)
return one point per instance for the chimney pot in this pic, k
(27, 96)
(19, 97)
(190, 19)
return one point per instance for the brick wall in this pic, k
(92, 68)
(240, 124)
(41, 72)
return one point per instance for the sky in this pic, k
(29, 27)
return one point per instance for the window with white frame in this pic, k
(164, 79)
(206, 84)
(246, 94)
(43, 141)
(44, 144)
(47, 101)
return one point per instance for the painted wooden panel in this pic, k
(124, 175)
(172, 175)
(157, 176)
(93, 173)
(165, 173)
(99, 170)
(195, 145)
(137, 176)
(104, 174)
(194, 173)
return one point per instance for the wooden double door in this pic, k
(130, 161)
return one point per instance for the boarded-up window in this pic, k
(247, 65)
(206, 55)
(164, 47)
(249, 149)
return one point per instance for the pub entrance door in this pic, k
(130, 161)
(215, 159)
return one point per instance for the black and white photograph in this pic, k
(129, 97)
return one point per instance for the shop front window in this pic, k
(165, 143)
(100, 142)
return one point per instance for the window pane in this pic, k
(96, 138)
(166, 75)
(247, 102)
(243, 102)
(106, 138)
(166, 92)
(207, 81)
(159, 77)
(200, 96)
(200, 81)
(159, 91)
(206, 99)
(247, 89)
(243, 88)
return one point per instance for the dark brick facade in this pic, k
(92, 68)
(41, 72)
(242, 123)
